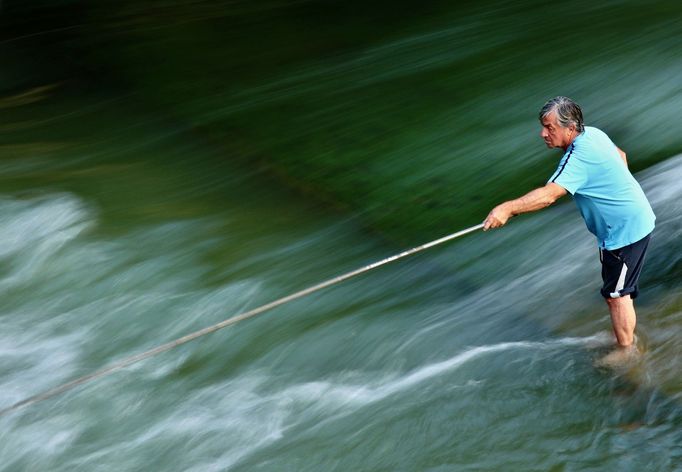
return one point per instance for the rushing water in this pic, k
(478, 355)
(123, 225)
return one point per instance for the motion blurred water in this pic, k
(132, 215)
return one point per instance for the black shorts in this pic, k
(620, 269)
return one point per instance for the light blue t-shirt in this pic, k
(609, 198)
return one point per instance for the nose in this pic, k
(543, 133)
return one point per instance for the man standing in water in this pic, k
(613, 205)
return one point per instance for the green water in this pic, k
(162, 169)
(390, 110)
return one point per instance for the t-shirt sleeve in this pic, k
(570, 174)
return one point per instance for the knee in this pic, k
(620, 301)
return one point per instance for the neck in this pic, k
(571, 138)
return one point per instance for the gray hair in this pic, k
(567, 112)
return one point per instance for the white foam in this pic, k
(256, 418)
(46, 360)
(24, 222)
(364, 394)
(33, 231)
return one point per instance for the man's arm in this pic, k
(532, 201)
(622, 155)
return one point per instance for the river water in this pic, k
(124, 227)
(478, 355)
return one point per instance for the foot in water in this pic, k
(620, 358)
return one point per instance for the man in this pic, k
(613, 205)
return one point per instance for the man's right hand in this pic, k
(498, 216)
(532, 201)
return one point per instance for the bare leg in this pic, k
(623, 319)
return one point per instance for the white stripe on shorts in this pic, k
(621, 282)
